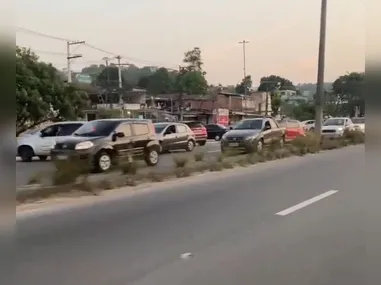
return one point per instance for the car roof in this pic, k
(122, 120)
(69, 122)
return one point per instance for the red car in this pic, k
(199, 131)
(293, 128)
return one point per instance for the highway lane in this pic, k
(25, 171)
(228, 223)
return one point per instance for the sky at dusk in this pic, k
(282, 35)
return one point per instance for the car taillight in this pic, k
(203, 131)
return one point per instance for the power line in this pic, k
(115, 55)
(41, 34)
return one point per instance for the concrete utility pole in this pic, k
(120, 85)
(106, 59)
(319, 100)
(69, 57)
(244, 42)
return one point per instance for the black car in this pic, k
(215, 131)
(106, 141)
(174, 136)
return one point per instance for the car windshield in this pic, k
(160, 127)
(358, 120)
(334, 122)
(96, 129)
(249, 125)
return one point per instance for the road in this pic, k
(294, 221)
(26, 171)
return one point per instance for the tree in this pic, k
(161, 82)
(246, 83)
(348, 93)
(269, 83)
(193, 60)
(191, 78)
(109, 78)
(41, 95)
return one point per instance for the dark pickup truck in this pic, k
(250, 135)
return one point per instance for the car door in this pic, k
(124, 146)
(170, 138)
(140, 137)
(276, 132)
(212, 131)
(266, 132)
(182, 136)
(47, 139)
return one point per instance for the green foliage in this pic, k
(41, 95)
(347, 94)
(270, 83)
(276, 102)
(246, 84)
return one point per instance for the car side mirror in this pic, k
(120, 134)
(230, 128)
(42, 135)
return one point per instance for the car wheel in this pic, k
(26, 153)
(103, 162)
(43, 157)
(217, 137)
(202, 143)
(152, 157)
(190, 146)
(259, 146)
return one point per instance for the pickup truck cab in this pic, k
(250, 135)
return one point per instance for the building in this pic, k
(208, 108)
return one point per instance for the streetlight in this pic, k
(319, 99)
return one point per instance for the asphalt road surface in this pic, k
(25, 171)
(302, 220)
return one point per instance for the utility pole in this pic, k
(120, 85)
(181, 103)
(106, 59)
(319, 100)
(69, 57)
(244, 42)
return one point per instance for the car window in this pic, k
(96, 128)
(255, 124)
(160, 127)
(358, 120)
(50, 131)
(334, 122)
(67, 129)
(124, 128)
(140, 129)
(182, 129)
(211, 127)
(194, 124)
(171, 129)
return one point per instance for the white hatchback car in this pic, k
(39, 143)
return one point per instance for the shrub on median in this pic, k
(180, 161)
(354, 136)
(68, 171)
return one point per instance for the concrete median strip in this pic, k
(77, 184)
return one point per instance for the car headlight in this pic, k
(84, 145)
(224, 136)
(340, 130)
(250, 138)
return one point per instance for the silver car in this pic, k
(335, 127)
(359, 123)
(39, 143)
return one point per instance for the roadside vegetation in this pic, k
(72, 177)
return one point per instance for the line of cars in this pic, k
(105, 142)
